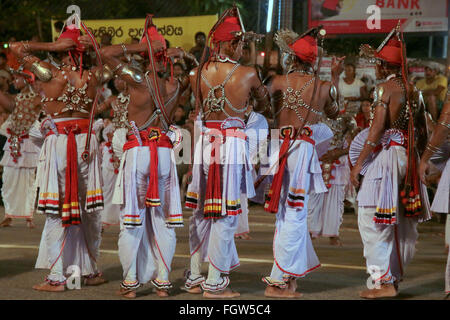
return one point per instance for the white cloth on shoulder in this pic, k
(294, 255)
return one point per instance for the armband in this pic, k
(333, 92)
(44, 74)
(377, 97)
(445, 124)
(370, 143)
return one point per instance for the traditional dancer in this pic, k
(387, 216)
(222, 171)
(110, 161)
(441, 202)
(68, 174)
(300, 100)
(110, 168)
(147, 186)
(325, 210)
(20, 153)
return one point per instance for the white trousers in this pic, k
(294, 254)
(76, 245)
(325, 211)
(243, 226)
(146, 251)
(388, 249)
(19, 192)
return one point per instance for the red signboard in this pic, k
(378, 16)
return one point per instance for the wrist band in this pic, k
(370, 143)
(117, 67)
(124, 49)
(432, 148)
(447, 125)
(26, 45)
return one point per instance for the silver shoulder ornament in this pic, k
(42, 73)
(378, 97)
(133, 73)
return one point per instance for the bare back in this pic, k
(292, 99)
(226, 84)
(393, 93)
(142, 106)
(67, 95)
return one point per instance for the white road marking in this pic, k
(186, 256)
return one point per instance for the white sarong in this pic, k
(294, 255)
(388, 248)
(147, 237)
(18, 191)
(325, 212)
(212, 240)
(111, 212)
(78, 245)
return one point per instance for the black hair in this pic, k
(391, 68)
(351, 64)
(306, 66)
(200, 33)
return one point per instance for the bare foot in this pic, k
(6, 222)
(98, 280)
(386, 291)
(30, 224)
(193, 290)
(45, 286)
(162, 293)
(127, 293)
(292, 287)
(225, 294)
(335, 241)
(275, 292)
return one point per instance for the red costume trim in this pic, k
(71, 206)
(273, 200)
(153, 138)
(213, 196)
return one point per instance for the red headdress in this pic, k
(73, 32)
(392, 50)
(226, 30)
(228, 27)
(305, 46)
(154, 35)
(306, 49)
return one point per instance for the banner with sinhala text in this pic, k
(179, 31)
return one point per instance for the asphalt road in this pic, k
(341, 276)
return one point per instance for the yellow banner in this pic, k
(179, 31)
